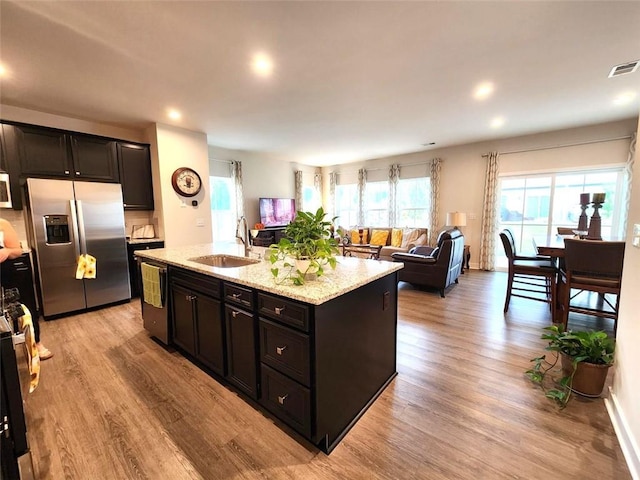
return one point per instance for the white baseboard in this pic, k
(627, 442)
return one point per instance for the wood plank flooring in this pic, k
(114, 404)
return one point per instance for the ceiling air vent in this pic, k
(624, 68)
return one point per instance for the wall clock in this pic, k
(186, 182)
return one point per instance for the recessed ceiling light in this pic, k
(483, 91)
(624, 98)
(262, 65)
(497, 122)
(174, 114)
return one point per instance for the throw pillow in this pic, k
(379, 237)
(355, 236)
(409, 235)
(396, 237)
(421, 240)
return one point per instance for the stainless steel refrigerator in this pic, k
(66, 219)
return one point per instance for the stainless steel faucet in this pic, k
(243, 235)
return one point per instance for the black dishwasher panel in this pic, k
(134, 269)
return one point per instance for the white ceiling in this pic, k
(352, 80)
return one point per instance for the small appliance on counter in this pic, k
(143, 231)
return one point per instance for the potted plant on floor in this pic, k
(585, 359)
(306, 248)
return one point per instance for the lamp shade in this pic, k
(457, 219)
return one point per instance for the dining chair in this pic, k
(529, 277)
(595, 266)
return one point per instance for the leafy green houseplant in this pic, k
(306, 248)
(585, 359)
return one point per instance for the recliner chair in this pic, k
(437, 267)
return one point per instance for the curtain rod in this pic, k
(562, 145)
(381, 168)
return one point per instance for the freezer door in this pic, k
(50, 205)
(102, 235)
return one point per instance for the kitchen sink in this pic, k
(224, 261)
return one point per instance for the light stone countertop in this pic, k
(349, 274)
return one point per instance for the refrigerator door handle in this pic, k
(74, 222)
(83, 238)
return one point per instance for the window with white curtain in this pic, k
(346, 204)
(223, 198)
(414, 201)
(311, 197)
(376, 204)
(535, 205)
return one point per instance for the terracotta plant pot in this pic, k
(589, 378)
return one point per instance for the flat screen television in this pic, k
(277, 212)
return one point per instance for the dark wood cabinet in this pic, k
(94, 158)
(241, 350)
(317, 368)
(134, 163)
(34, 151)
(183, 318)
(42, 152)
(197, 322)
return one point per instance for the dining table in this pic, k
(553, 247)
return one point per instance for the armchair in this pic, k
(437, 267)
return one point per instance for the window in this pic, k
(347, 204)
(311, 196)
(535, 205)
(376, 204)
(414, 202)
(223, 208)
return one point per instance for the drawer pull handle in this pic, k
(279, 350)
(234, 314)
(236, 296)
(282, 398)
(279, 310)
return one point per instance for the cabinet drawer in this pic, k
(200, 283)
(238, 295)
(287, 400)
(285, 350)
(285, 311)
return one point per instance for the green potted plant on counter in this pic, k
(306, 248)
(585, 358)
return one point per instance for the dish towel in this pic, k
(151, 284)
(86, 267)
(26, 327)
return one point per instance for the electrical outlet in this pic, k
(636, 235)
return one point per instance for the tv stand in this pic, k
(268, 236)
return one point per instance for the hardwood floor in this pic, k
(114, 404)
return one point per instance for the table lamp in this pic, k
(457, 219)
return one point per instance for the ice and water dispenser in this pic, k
(56, 229)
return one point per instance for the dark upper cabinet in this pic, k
(46, 152)
(135, 176)
(94, 158)
(42, 152)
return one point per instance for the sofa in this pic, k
(406, 238)
(435, 267)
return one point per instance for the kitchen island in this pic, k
(313, 356)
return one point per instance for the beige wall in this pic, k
(179, 221)
(263, 175)
(624, 403)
